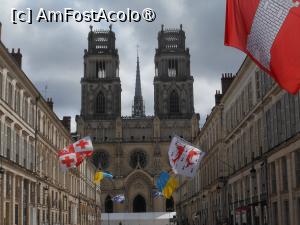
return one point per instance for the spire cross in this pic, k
(137, 50)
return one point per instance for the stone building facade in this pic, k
(251, 173)
(134, 148)
(33, 188)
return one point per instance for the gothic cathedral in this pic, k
(134, 148)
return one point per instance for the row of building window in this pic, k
(240, 108)
(279, 170)
(24, 106)
(281, 122)
(20, 103)
(16, 147)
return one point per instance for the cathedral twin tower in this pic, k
(134, 148)
(101, 85)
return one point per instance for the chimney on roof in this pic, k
(50, 103)
(218, 97)
(226, 81)
(66, 121)
(17, 56)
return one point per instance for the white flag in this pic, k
(68, 161)
(84, 146)
(184, 158)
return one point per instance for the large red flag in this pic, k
(269, 32)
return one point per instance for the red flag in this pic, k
(269, 32)
(74, 154)
(69, 160)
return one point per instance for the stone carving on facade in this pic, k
(156, 164)
(165, 100)
(138, 186)
(183, 101)
(109, 101)
(157, 150)
(137, 175)
(119, 127)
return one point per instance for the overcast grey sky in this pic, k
(53, 52)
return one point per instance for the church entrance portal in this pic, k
(139, 204)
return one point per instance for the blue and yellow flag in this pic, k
(166, 184)
(100, 175)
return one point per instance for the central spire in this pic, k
(138, 108)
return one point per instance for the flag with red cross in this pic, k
(68, 161)
(73, 155)
(84, 146)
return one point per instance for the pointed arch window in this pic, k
(101, 159)
(172, 67)
(138, 158)
(100, 68)
(100, 103)
(174, 102)
(139, 204)
(109, 205)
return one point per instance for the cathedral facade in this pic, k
(134, 148)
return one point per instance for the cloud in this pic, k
(53, 52)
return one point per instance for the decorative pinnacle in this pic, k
(138, 90)
(138, 105)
